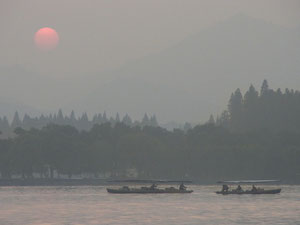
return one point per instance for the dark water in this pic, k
(93, 205)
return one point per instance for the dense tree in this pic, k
(257, 138)
(127, 120)
(271, 109)
(145, 121)
(153, 121)
(206, 152)
(80, 123)
(4, 125)
(235, 108)
(16, 122)
(264, 88)
(211, 119)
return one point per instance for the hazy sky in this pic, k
(103, 35)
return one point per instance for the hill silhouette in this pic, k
(192, 79)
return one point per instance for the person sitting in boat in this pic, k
(254, 189)
(153, 186)
(182, 187)
(239, 188)
(126, 188)
(225, 188)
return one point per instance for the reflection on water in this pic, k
(93, 205)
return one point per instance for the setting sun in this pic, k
(46, 38)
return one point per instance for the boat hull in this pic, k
(258, 192)
(142, 191)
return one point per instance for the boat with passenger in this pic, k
(149, 190)
(255, 190)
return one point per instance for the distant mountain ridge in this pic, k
(194, 78)
(185, 82)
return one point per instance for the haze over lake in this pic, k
(111, 92)
(151, 57)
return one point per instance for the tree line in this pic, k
(81, 123)
(267, 109)
(231, 148)
(206, 153)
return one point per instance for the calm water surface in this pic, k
(93, 205)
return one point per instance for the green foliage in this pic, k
(80, 123)
(271, 109)
(257, 138)
(208, 152)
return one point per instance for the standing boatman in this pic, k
(182, 187)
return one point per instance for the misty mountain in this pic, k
(34, 93)
(190, 80)
(185, 82)
(22, 90)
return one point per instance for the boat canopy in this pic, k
(148, 181)
(247, 181)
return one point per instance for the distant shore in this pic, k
(51, 182)
(100, 182)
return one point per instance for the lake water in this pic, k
(93, 205)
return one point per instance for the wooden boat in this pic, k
(149, 181)
(147, 190)
(257, 192)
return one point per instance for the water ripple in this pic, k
(93, 205)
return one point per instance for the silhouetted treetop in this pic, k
(270, 109)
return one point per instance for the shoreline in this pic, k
(105, 182)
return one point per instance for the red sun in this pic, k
(46, 38)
